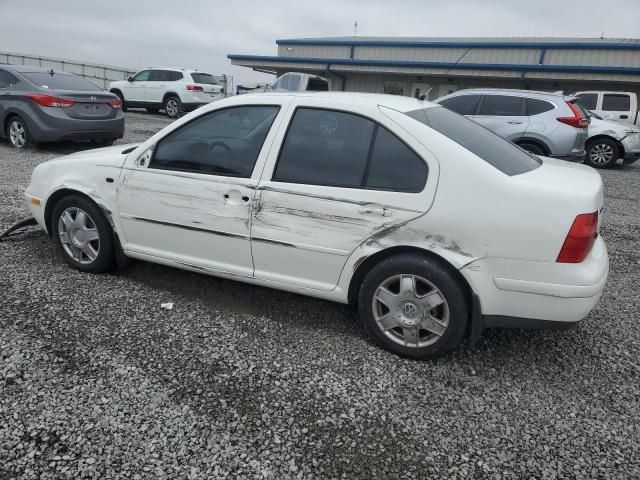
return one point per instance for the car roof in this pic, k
(509, 91)
(176, 69)
(395, 102)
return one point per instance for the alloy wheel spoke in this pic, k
(407, 284)
(67, 220)
(64, 237)
(388, 299)
(432, 300)
(81, 219)
(90, 252)
(387, 322)
(411, 336)
(433, 325)
(91, 234)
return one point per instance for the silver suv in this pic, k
(542, 123)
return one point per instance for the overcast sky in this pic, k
(200, 33)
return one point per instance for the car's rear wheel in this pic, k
(172, 106)
(18, 133)
(413, 306)
(82, 234)
(602, 153)
(532, 148)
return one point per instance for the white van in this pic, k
(617, 106)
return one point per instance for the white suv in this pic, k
(174, 90)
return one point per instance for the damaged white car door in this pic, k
(187, 199)
(337, 179)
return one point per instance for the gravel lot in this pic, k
(97, 381)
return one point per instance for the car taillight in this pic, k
(578, 120)
(194, 88)
(50, 100)
(117, 103)
(580, 239)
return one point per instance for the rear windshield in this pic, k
(61, 81)
(492, 148)
(204, 78)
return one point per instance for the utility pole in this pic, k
(355, 28)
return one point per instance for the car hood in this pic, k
(108, 156)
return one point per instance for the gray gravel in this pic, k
(97, 381)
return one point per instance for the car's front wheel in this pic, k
(413, 306)
(82, 234)
(172, 106)
(18, 133)
(602, 153)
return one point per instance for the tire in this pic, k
(172, 106)
(602, 153)
(433, 293)
(121, 97)
(18, 133)
(71, 236)
(152, 109)
(532, 148)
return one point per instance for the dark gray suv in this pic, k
(40, 105)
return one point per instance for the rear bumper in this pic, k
(523, 293)
(574, 157)
(52, 124)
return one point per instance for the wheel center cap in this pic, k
(77, 238)
(409, 314)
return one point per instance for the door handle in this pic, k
(624, 116)
(513, 122)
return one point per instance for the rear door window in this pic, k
(317, 85)
(159, 76)
(339, 149)
(462, 104)
(60, 81)
(589, 100)
(502, 106)
(481, 141)
(616, 102)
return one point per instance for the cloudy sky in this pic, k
(200, 33)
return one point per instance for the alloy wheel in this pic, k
(601, 154)
(172, 107)
(17, 134)
(79, 235)
(410, 310)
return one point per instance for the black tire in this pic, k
(105, 259)
(121, 97)
(153, 109)
(172, 106)
(602, 153)
(440, 276)
(532, 148)
(21, 138)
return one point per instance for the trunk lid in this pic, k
(89, 105)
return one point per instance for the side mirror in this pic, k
(129, 79)
(144, 159)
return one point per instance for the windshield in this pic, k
(492, 148)
(205, 78)
(61, 81)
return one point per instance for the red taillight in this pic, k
(194, 88)
(117, 103)
(50, 100)
(580, 238)
(578, 120)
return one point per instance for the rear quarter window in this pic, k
(536, 107)
(492, 148)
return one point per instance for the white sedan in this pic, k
(431, 224)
